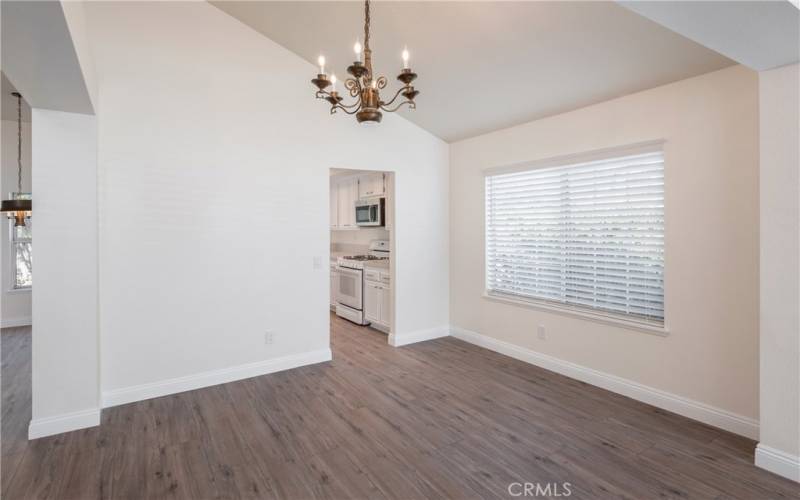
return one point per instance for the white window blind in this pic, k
(586, 235)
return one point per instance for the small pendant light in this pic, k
(19, 206)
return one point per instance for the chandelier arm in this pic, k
(356, 104)
(411, 105)
(339, 106)
(396, 95)
(324, 94)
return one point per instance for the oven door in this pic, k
(349, 287)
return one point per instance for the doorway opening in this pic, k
(362, 242)
(16, 278)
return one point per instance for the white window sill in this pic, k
(19, 290)
(580, 314)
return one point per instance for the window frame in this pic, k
(576, 311)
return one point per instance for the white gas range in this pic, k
(350, 281)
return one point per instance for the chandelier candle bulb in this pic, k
(405, 58)
(357, 50)
(321, 61)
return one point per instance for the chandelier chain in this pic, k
(366, 24)
(19, 143)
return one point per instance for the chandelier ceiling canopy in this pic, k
(364, 86)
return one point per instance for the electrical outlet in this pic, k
(317, 262)
(269, 338)
(541, 332)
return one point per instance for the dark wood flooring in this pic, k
(439, 419)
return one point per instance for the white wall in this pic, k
(16, 304)
(780, 271)
(709, 360)
(65, 337)
(214, 163)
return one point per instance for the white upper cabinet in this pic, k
(346, 191)
(371, 185)
(334, 205)
(389, 188)
(346, 197)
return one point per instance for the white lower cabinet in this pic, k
(372, 301)
(378, 303)
(386, 307)
(333, 286)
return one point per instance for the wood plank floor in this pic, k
(440, 419)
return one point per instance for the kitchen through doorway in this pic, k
(362, 220)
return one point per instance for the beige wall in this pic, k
(780, 260)
(710, 124)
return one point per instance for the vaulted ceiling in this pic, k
(488, 65)
(39, 58)
(759, 34)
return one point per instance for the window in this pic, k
(582, 234)
(21, 255)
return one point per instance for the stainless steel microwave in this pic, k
(371, 212)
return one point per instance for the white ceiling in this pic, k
(39, 58)
(759, 34)
(488, 65)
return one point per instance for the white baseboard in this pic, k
(379, 327)
(696, 410)
(12, 322)
(199, 380)
(778, 462)
(66, 422)
(398, 340)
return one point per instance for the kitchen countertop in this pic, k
(335, 256)
(381, 265)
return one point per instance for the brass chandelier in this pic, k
(364, 86)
